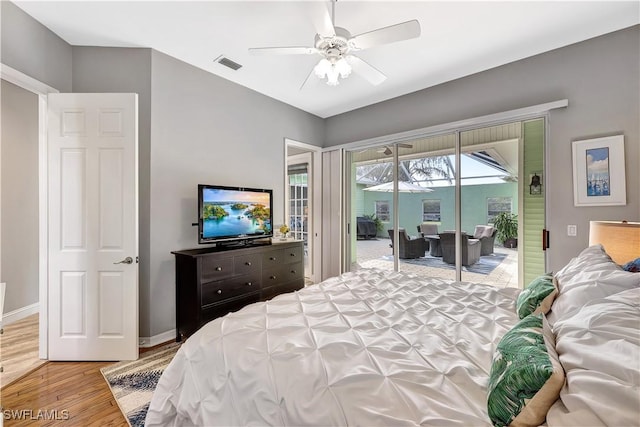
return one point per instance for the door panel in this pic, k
(93, 227)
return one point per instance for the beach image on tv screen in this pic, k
(231, 213)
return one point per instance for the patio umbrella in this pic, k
(403, 187)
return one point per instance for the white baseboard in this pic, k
(146, 342)
(21, 313)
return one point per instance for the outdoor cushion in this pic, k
(482, 231)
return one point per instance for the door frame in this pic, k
(30, 84)
(520, 114)
(315, 194)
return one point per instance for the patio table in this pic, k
(434, 244)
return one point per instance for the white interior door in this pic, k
(93, 226)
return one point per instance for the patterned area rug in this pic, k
(133, 383)
(485, 266)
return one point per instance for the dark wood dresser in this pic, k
(211, 282)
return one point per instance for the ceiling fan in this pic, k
(388, 150)
(336, 45)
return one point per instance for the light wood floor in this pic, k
(19, 349)
(75, 393)
(73, 390)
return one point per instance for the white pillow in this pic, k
(599, 349)
(589, 276)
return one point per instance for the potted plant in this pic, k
(506, 224)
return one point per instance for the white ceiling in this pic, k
(458, 38)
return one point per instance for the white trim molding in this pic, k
(146, 342)
(518, 114)
(19, 314)
(41, 89)
(24, 81)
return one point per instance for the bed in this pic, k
(378, 348)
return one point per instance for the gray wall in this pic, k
(204, 128)
(19, 230)
(32, 48)
(201, 127)
(103, 69)
(207, 130)
(600, 78)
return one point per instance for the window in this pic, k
(382, 210)
(431, 210)
(298, 201)
(495, 205)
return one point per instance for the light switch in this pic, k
(572, 230)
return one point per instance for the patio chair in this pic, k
(428, 229)
(470, 248)
(487, 236)
(409, 248)
(366, 228)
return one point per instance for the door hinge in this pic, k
(545, 239)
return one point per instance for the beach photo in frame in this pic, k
(598, 172)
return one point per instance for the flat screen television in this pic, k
(234, 214)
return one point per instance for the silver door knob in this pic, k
(127, 260)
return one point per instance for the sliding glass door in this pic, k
(453, 194)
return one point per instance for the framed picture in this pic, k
(598, 172)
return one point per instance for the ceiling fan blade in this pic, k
(394, 33)
(311, 73)
(366, 70)
(290, 50)
(324, 24)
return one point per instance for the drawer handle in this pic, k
(249, 283)
(218, 268)
(247, 263)
(272, 258)
(219, 291)
(292, 254)
(293, 271)
(272, 277)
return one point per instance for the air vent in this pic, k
(228, 63)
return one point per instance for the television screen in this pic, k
(230, 213)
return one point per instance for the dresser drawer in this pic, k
(247, 264)
(268, 293)
(273, 275)
(273, 257)
(215, 268)
(219, 310)
(293, 272)
(292, 255)
(215, 292)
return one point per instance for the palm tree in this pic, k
(414, 170)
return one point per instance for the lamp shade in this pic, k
(620, 239)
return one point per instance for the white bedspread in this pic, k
(367, 348)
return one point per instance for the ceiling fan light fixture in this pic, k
(332, 69)
(343, 67)
(322, 68)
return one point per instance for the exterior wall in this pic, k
(474, 205)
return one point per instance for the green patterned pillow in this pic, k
(537, 297)
(526, 375)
